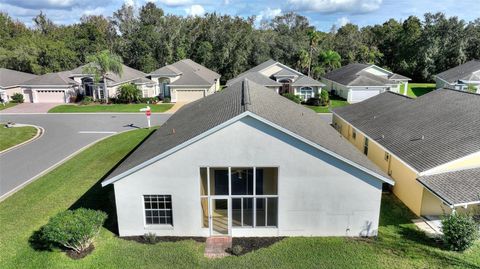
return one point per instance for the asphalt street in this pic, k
(64, 135)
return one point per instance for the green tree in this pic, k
(129, 93)
(100, 64)
(314, 38)
(330, 60)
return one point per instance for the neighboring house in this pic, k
(10, 81)
(50, 88)
(246, 162)
(114, 81)
(461, 77)
(430, 146)
(282, 79)
(185, 81)
(357, 82)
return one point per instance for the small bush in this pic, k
(293, 97)
(237, 250)
(149, 100)
(324, 98)
(313, 101)
(17, 98)
(74, 229)
(129, 93)
(86, 100)
(150, 238)
(166, 100)
(459, 231)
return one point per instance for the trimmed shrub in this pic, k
(459, 231)
(129, 93)
(324, 98)
(292, 97)
(17, 98)
(149, 100)
(313, 101)
(74, 229)
(86, 100)
(166, 100)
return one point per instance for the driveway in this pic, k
(64, 135)
(30, 108)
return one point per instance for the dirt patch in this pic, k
(249, 244)
(76, 256)
(144, 240)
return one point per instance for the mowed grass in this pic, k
(418, 89)
(7, 105)
(10, 137)
(109, 108)
(334, 102)
(76, 184)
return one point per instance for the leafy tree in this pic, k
(330, 60)
(100, 64)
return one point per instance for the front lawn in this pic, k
(10, 137)
(7, 105)
(334, 102)
(108, 108)
(418, 89)
(76, 183)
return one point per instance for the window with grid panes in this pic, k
(158, 209)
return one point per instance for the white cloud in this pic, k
(330, 6)
(195, 10)
(129, 2)
(55, 4)
(342, 22)
(175, 3)
(226, 2)
(95, 11)
(267, 14)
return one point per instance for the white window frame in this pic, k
(306, 93)
(164, 209)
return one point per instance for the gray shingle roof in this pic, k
(458, 187)
(192, 73)
(434, 129)
(354, 75)
(254, 75)
(202, 115)
(462, 72)
(128, 74)
(51, 79)
(9, 78)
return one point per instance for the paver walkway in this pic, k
(215, 246)
(29, 108)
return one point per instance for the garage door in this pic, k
(50, 96)
(359, 95)
(188, 96)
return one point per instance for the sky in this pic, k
(321, 13)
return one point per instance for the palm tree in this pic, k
(100, 64)
(330, 60)
(314, 38)
(304, 60)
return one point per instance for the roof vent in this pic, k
(418, 138)
(173, 130)
(375, 116)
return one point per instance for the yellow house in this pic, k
(430, 146)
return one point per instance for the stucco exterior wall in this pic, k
(431, 205)
(11, 91)
(330, 198)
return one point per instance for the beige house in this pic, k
(357, 82)
(10, 81)
(281, 78)
(50, 88)
(430, 146)
(185, 81)
(114, 81)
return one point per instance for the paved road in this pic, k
(64, 135)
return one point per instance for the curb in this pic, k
(40, 132)
(19, 187)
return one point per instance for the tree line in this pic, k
(148, 38)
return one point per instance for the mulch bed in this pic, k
(250, 244)
(76, 256)
(143, 240)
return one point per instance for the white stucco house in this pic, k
(50, 88)
(461, 77)
(281, 78)
(10, 81)
(185, 81)
(357, 82)
(246, 162)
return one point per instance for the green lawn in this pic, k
(10, 137)
(7, 105)
(76, 184)
(334, 102)
(418, 89)
(108, 108)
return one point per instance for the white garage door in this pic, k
(50, 96)
(188, 96)
(359, 95)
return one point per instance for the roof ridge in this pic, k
(460, 91)
(402, 95)
(245, 94)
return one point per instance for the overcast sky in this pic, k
(321, 13)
